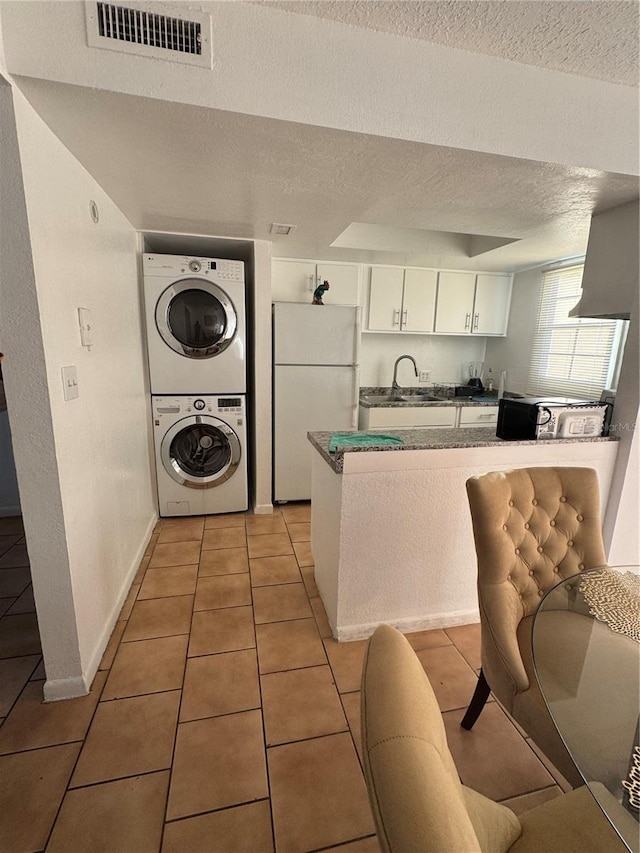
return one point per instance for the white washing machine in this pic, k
(196, 326)
(201, 458)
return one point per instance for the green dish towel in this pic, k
(349, 439)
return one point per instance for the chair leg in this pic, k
(478, 701)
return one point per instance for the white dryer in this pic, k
(201, 459)
(196, 326)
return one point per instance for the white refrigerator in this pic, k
(315, 386)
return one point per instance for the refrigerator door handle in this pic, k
(356, 396)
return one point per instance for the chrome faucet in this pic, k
(394, 385)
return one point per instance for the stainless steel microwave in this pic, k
(551, 417)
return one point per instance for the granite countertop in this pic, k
(483, 399)
(428, 438)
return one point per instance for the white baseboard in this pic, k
(410, 624)
(263, 509)
(65, 688)
(69, 688)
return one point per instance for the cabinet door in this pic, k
(478, 416)
(292, 281)
(454, 306)
(385, 299)
(419, 301)
(407, 416)
(343, 281)
(491, 309)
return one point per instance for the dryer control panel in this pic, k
(220, 269)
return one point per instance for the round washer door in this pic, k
(200, 452)
(196, 318)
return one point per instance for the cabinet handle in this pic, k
(404, 317)
(396, 317)
(467, 320)
(476, 320)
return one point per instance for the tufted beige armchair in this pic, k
(532, 527)
(417, 799)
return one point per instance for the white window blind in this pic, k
(572, 357)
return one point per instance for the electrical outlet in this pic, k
(423, 375)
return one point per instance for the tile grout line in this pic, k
(262, 715)
(95, 711)
(184, 677)
(20, 692)
(75, 763)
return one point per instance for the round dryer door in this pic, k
(200, 452)
(196, 318)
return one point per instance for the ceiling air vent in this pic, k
(142, 30)
(282, 230)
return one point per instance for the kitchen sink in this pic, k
(399, 398)
(383, 398)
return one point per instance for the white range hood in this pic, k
(610, 278)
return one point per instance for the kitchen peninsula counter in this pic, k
(429, 439)
(391, 533)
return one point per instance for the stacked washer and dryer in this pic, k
(196, 338)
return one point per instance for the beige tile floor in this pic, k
(224, 717)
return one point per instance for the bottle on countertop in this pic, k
(489, 380)
(503, 382)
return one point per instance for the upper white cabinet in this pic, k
(454, 310)
(402, 300)
(295, 281)
(470, 303)
(491, 306)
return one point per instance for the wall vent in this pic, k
(139, 28)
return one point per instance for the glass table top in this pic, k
(586, 654)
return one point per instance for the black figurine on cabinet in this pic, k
(319, 292)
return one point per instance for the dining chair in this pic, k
(533, 527)
(419, 804)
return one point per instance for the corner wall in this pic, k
(513, 353)
(27, 391)
(101, 439)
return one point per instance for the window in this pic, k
(572, 357)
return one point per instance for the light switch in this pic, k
(86, 331)
(70, 382)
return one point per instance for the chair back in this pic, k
(418, 802)
(533, 527)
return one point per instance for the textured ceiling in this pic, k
(591, 38)
(172, 167)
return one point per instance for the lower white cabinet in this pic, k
(384, 417)
(407, 416)
(478, 416)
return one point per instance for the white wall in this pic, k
(620, 525)
(262, 391)
(621, 533)
(27, 391)
(268, 61)
(446, 357)
(101, 439)
(513, 353)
